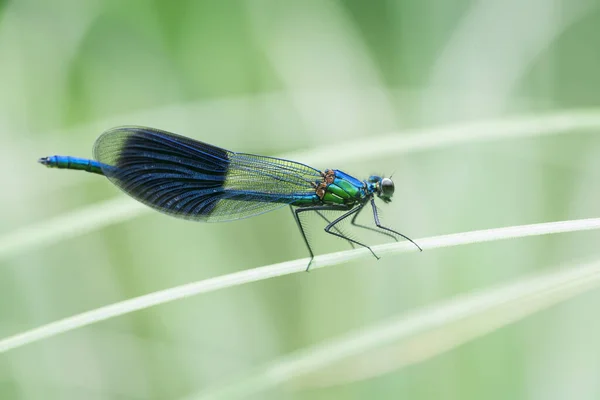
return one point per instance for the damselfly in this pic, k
(190, 179)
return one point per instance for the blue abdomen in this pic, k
(76, 163)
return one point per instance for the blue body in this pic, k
(194, 180)
(189, 179)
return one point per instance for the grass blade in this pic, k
(285, 268)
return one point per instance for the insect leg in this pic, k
(376, 218)
(332, 225)
(296, 212)
(353, 222)
(320, 214)
(297, 219)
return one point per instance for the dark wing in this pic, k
(194, 180)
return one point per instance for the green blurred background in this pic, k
(272, 78)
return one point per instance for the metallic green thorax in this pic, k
(337, 189)
(341, 191)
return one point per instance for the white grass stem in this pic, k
(100, 215)
(289, 267)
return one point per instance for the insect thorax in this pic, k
(339, 188)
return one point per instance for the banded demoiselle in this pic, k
(193, 180)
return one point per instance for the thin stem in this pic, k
(285, 268)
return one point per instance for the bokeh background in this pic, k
(274, 78)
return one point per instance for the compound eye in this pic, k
(387, 187)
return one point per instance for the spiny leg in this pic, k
(376, 217)
(340, 219)
(297, 219)
(338, 230)
(296, 212)
(353, 222)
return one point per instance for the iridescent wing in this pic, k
(194, 180)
